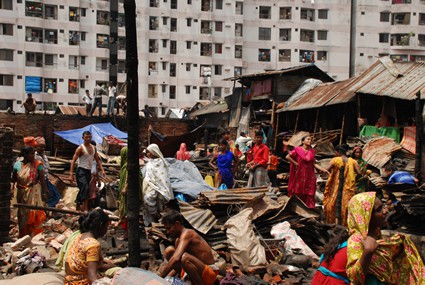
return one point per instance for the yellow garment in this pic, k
(332, 185)
(395, 261)
(209, 180)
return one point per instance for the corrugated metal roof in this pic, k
(201, 219)
(213, 107)
(74, 110)
(382, 82)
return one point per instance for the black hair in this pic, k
(304, 137)
(94, 222)
(242, 133)
(87, 90)
(272, 151)
(86, 133)
(390, 167)
(29, 94)
(171, 217)
(224, 142)
(341, 150)
(25, 150)
(225, 132)
(259, 134)
(331, 247)
(93, 143)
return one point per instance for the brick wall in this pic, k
(45, 125)
(6, 162)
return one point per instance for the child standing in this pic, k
(272, 168)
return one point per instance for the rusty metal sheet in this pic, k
(213, 107)
(379, 151)
(200, 219)
(73, 110)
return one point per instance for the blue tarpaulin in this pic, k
(98, 131)
(33, 84)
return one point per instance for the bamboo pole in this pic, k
(342, 128)
(296, 122)
(316, 120)
(277, 130)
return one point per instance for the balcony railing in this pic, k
(35, 39)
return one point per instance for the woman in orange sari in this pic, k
(340, 187)
(31, 190)
(84, 254)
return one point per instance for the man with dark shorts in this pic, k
(86, 154)
(191, 254)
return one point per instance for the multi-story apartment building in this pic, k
(187, 47)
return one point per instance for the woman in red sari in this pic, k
(302, 179)
(182, 153)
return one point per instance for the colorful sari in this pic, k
(224, 164)
(339, 189)
(395, 261)
(81, 251)
(362, 182)
(29, 192)
(302, 179)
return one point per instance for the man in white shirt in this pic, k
(241, 141)
(111, 101)
(98, 92)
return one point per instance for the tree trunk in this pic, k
(133, 168)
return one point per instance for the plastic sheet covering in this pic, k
(131, 276)
(244, 245)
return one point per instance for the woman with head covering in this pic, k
(156, 184)
(373, 260)
(302, 179)
(28, 174)
(182, 153)
(362, 185)
(340, 187)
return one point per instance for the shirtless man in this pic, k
(191, 253)
(86, 154)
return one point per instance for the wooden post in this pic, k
(277, 131)
(316, 121)
(359, 113)
(342, 127)
(419, 136)
(296, 122)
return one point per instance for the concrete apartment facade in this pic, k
(186, 48)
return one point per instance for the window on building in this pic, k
(6, 5)
(121, 43)
(307, 36)
(284, 35)
(33, 9)
(187, 89)
(264, 55)
(417, 58)
(206, 27)
(173, 47)
(206, 49)
(152, 67)
(188, 44)
(74, 38)
(399, 57)
(238, 30)
(400, 39)
(218, 26)
(121, 20)
(152, 91)
(173, 69)
(50, 12)
(153, 46)
(265, 12)
(34, 35)
(164, 43)
(153, 23)
(218, 69)
(285, 55)
(102, 17)
(164, 88)
(164, 21)
(164, 65)
(306, 56)
(238, 51)
(73, 62)
(204, 93)
(217, 92)
(173, 4)
(322, 55)
(264, 34)
(421, 19)
(189, 22)
(237, 71)
(307, 14)
(50, 60)
(51, 36)
(322, 35)
(402, 1)
(101, 64)
(285, 13)
(188, 65)
(83, 60)
(102, 41)
(206, 5)
(34, 59)
(83, 36)
(421, 40)
(219, 4)
(172, 92)
(74, 14)
(218, 48)
(50, 85)
(83, 12)
(400, 19)
(121, 66)
(6, 54)
(384, 38)
(189, 2)
(72, 86)
(322, 14)
(173, 26)
(6, 29)
(239, 8)
(385, 16)
(6, 80)
(154, 3)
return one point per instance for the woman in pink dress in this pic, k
(302, 179)
(182, 153)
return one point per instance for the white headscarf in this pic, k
(154, 149)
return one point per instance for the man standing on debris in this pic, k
(112, 93)
(89, 101)
(257, 167)
(191, 252)
(86, 154)
(29, 104)
(98, 92)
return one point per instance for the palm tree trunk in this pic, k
(133, 168)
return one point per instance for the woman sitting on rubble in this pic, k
(340, 187)
(31, 190)
(156, 185)
(182, 153)
(372, 259)
(225, 167)
(333, 262)
(84, 257)
(362, 185)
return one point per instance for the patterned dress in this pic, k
(395, 261)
